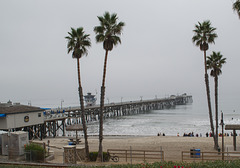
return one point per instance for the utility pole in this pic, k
(222, 124)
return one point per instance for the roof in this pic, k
(75, 127)
(232, 127)
(13, 109)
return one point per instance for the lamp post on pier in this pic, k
(222, 124)
(61, 103)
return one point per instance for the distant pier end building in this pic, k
(90, 99)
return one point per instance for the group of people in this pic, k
(159, 134)
(191, 134)
(220, 134)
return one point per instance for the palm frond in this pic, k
(215, 62)
(100, 37)
(109, 29)
(78, 42)
(236, 7)
(204, 33)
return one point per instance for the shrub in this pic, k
(93, 155)
(34, 152)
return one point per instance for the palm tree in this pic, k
(78, 42)
(214, 63)
(203, 35)
(236, 7)
(108, 32)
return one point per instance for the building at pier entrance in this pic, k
(17, 117)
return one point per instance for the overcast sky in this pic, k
(156, 57)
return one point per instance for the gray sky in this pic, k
(156, 57)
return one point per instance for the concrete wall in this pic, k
(4, 144)
(3, 123)
(13, 145)
(17, 141)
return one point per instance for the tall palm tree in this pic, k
(214, 63)
(236, 7)
(204, 34)
(78, 42)
(108, 32)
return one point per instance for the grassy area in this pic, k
(215, 164)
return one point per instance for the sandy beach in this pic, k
(171, 145)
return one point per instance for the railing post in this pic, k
(161, 153)
(227, 154)
(126, 155)
(131, 154)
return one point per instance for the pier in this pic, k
(57, 119)
(50, 122)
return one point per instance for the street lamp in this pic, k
(222, 124)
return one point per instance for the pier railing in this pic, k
(121, 108)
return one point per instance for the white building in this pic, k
(14, 116)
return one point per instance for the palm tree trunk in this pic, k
(216, 106)
(83, 113)
(209, 99)
(100, 151)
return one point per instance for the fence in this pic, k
(29, 156)
(129, 155)
(209, 156)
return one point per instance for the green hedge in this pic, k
(209, 164)
(34, 152)
(215, 164)
(93, 155)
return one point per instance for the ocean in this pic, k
(178, 120)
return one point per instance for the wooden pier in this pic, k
(56, 119)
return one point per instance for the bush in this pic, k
(93, 155)
(34, 152)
